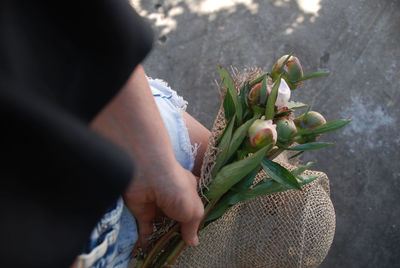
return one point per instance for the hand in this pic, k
(132, 120)
(173, 191)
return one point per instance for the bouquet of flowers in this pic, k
(259, 124)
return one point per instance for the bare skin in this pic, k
(132, 120)
(200, 135)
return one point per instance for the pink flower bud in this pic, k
(283, 93)
(278, 67)
(254, 94)
(291, 71)
(261, 133)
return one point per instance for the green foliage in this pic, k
(247, 181)
(270, 108)
(325, 128)
(258, 79)
(243, 96)
(294, 105)
(229, 84)
(310, 146)
(232, 173)
(312, 75)
(298, 171)
(263, 92)
(296, 155)
(238, 137)
(265, 187)
(229, 106)
(282, 114)
(223, 147)
(279, 174)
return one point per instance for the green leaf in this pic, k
(258, 111)
(310, 146)
(331, 126)
(305, 179)
(229, 106)
(301, 169)
(282, 114)
(244, 93)
(286, 60)
(232, 173)
(238, 137)
(223, 146)
(269, 109)
(310, 76)
(230, 197)
(328, 127)
(229, 84)
(258, 79)
(263, 92)
(221, 207)
(266, 187)
(247, 181)
(296, 105)
(279, 173)
(227, 79)
(296, 155)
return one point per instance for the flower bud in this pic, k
(277, 68)
(283, 112)
(311, 121)
(261, 133)
(291, 71)
(285, 129)
(254, 94)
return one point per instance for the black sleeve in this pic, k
(60, 63)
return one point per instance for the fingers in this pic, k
(145, 230)
(189, 212)
(189, 229)
(144, 214)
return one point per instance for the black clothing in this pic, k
(59, 65)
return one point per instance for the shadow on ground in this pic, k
(358, 42)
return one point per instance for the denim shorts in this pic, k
(112, 240)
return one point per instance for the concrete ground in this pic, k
(358, 41)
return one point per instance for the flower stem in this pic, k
(169, 250)
(181, 245)
(158, 247)
(175, 253)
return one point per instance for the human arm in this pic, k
(132, 120)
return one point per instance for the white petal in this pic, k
(283, 94)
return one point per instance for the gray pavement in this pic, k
(358, 41)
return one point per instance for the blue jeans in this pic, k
(114, 236)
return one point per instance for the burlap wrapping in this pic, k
(289, 229)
